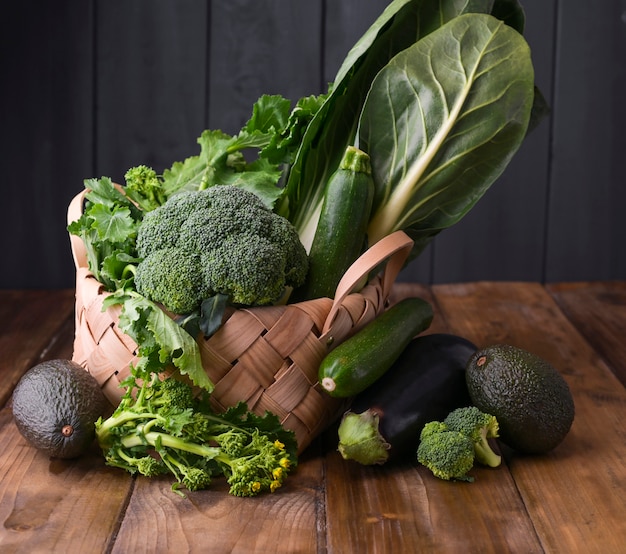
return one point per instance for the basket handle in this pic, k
(74, 211)
(394, 248)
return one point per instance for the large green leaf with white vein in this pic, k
(441, 122)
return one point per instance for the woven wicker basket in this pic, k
(266, 356)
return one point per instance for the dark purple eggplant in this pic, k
(425, 384)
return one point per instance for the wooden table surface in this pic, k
(570, 500)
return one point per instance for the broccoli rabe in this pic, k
(479, 427)
(450, 447)
(222, 240)
(144, 187)
(159, 427)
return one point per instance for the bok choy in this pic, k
(340, 122)
(442, 121)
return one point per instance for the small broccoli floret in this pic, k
(479, 427)
(195, 479)
(433, 427)
(243, 250)
(171, 393)
(161, 427)
(448, 454)
(145, 465)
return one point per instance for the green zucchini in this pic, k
(366, 356)
(340, 236)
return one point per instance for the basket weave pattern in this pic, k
(265, 356)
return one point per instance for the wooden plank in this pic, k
(49, 505)
(574, 492)
(587, 227)
(151, 75)
(598, 310)
(214, 521)
(33, 320)
(46, 142)
(258, 48)
(406, 509)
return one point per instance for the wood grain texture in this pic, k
(29, 330)
(407, 509)
(214, 521)
(49, 505)
(599, 312)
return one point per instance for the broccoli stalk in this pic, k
(360, 439)
(160, 428)
(479, 427)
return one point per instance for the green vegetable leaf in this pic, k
(269, 114)
(161, 340)
(116, 268)
(113, 224)
(273, 131)
(207, 319)
(212, 312)
(283, 146)
(108, 228)
(441, 122)
(102, 191)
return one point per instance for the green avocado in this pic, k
(529, 397)
(55, 406)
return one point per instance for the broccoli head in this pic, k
(448, 454)
(221, 240)
(479, 427)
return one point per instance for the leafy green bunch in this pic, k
(160, 428)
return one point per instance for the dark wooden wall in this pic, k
(92, 87)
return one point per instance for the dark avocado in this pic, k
(55, 406)
(529, 397)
